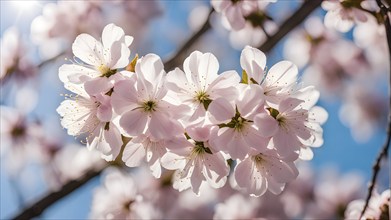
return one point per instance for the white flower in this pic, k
(118, 198)
(143, 147)
(200, 84)
(102, 59)
(140, 100)
(378, 207)
(294, 127)
(196, 162)
(238, 134)
(342, 14)
(20, 139)
(278, 83)
(259, 172)
(91, 115)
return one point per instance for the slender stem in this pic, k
(290, 23)
(178, 57)
(39, 206)
(384, 150)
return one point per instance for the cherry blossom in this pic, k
(20, 138)
(196, 162)
(278, 83)
(141, 102)
(145, 148)
(92, 116)
(118, 198)
(378, 207)
(259, 172)
(200, 84)
(101, 60)
(238, 134)
(342, 14)
(14, 61)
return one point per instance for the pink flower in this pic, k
(14, 61)
(101, 60)
(238, 134)
(342, 14)
(378, 208)
(91, 115)
(141, 102)
(143, 148)
(196, 162)
(118, 198)
(200, 84)
(259, 172)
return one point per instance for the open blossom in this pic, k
(197, 162)
(91, 116)
(20, 138)
(259, 172)
(14, 61)
(378, 207)
(119, 198)
(140, 100)
(200, 84)
(342, 14)
(238, 134)
(278, 83)
(146, 148)
(101, 60)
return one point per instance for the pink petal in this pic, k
(134, 154)
(253, 61)
(266, 124)
(221, 110)
(98, 85)
(134, 122)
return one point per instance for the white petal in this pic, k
(134, 122)
(134, 154)
(88, 49)
(253, 61)
(221, 110)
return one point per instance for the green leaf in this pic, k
(244, 77)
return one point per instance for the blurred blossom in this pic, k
(364, 110)
(378, 207)
(20, 138)
(77, 17)
(14, 61)
(331, 201)
(247, 20)
(343, 14)
(118, 198)
(198, 17)
(73, 160)
(371, 37)
(236, 207)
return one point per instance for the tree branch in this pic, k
(384, 150)
(39, 206)
(290, 23)
(178, 57)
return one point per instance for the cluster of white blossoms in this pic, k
(195, 120)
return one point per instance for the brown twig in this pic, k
(178, 57)
(290, 23)
(384, 150)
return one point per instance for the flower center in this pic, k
(258, 159)
(257, 18)
(351, 3)
(106, 71)
(18, 131)
(149, 106)
(200, 149)
(203, 98)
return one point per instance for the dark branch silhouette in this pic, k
(383, 154)
(39, 206)
(290, 23)
(179, 56)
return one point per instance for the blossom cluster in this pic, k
(192, 121)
